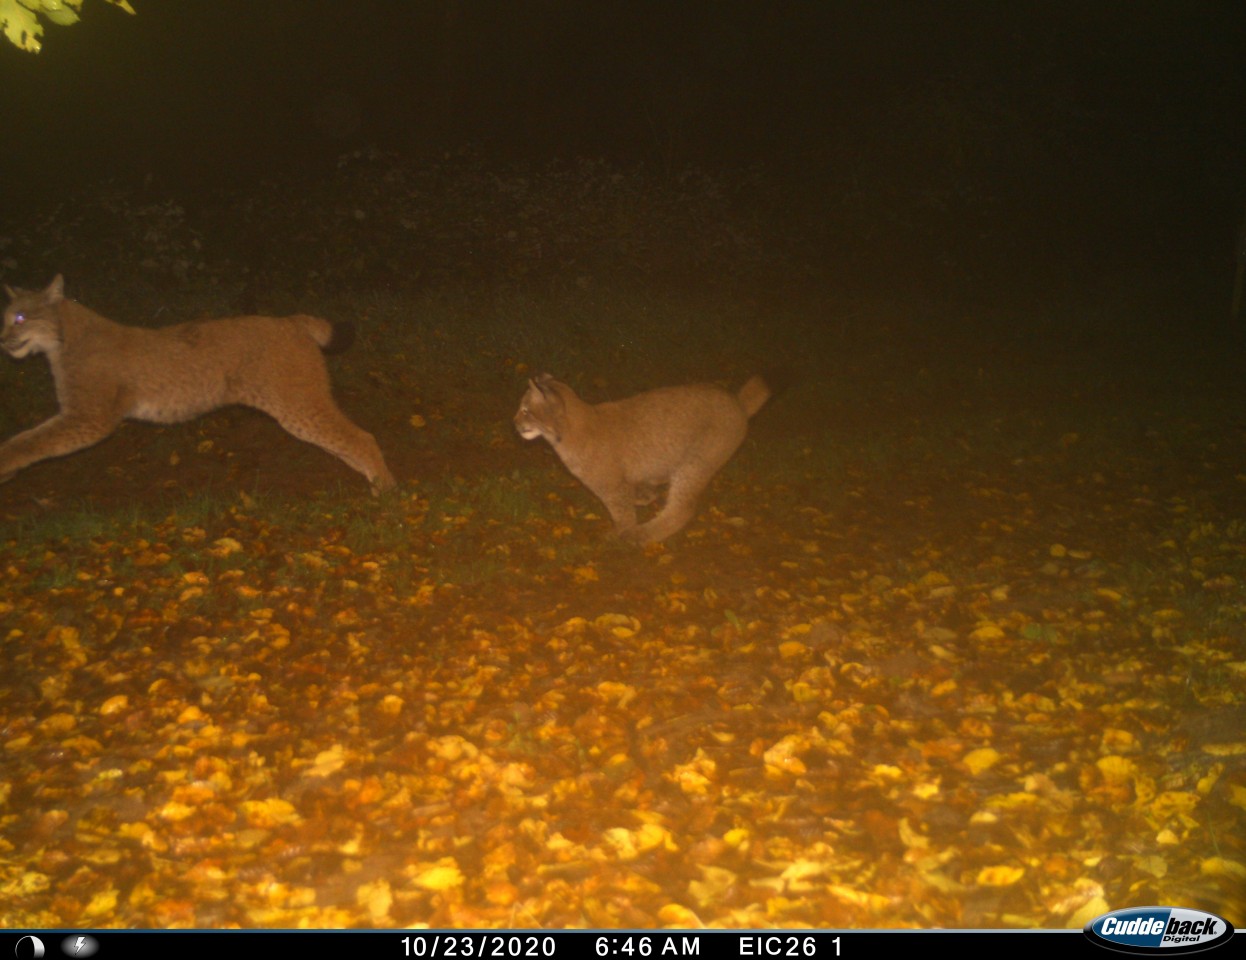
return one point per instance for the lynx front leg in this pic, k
(621, 502)
(681, 505)
(53, 438)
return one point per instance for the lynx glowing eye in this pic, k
(19, 318)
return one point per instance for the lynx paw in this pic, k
(636, 536)
(382, 483)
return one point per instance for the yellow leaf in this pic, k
(999, 876)
(114, 705)
(224, 547)
(1117, 739)
(452, 747)
(328, 762)
(1225, 749)
(376, 898)
(981, 759)
(269, 813)
(417, 421)
(792, 648)
(68, 637)
(612, 690)
(1058, 550)
(782, 756)
(910, 837)
(134, 831)
(1012, 801)
(1116, 769)
(571, 628)
(674, 915)
(104, 857)
(926, 790)
(652, 835)
(616, 622)
(1205, 783)
(1174, 803)
(191, 714)
(22, 28)
(799, 871)
(175, 811)
(694, 777)
(58, 723)
(629, 844)
(102, 903)
(987, 630)
(584, 574)
(392, 705)
(1237, 796)
(735, 837)
(442, 875)
(858, 898)
(714, 886)
(1155, 866)
(1222, 867)
(1094, 907)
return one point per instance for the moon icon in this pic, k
(28, 947)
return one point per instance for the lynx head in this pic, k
(32, 321)
(542, 409)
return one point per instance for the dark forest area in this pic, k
(931, 611)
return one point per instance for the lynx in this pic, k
(623, 451)
(106, 372)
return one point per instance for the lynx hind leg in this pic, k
(52, 438)
(323, 423)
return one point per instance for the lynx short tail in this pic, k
(754, 394)
(332, 337)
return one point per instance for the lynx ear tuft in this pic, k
(55, 292)
(542, 381)
(10, 291)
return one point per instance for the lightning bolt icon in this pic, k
(78, 945)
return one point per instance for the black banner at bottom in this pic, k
(534, 944)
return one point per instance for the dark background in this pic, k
(1040, 143)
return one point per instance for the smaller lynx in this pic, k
(621, 451)
(106, 373)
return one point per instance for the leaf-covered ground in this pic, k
(956, 640)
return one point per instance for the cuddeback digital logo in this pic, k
(1158, 930)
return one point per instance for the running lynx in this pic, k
(106, 372)
(621, 451)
